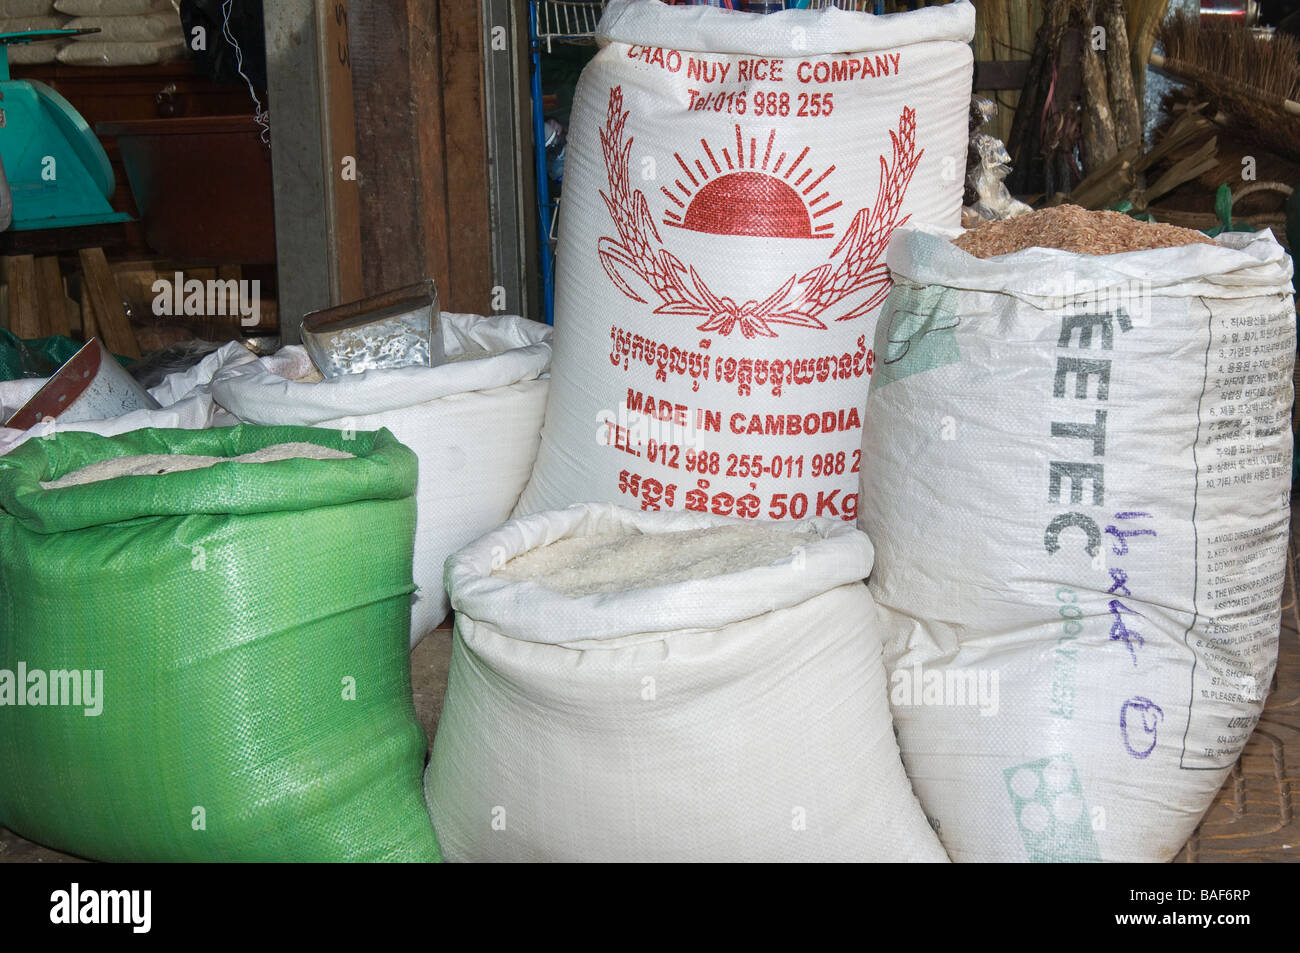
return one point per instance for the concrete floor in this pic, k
(1252, 819)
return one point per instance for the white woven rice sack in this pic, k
(741, 716)
(33, 54)
(1077, 473)
(89, 52)
(26, 9)
(185, 398)
(474, 423)
(134, 29)
(731, 184)
(26, 24)
(114, 8)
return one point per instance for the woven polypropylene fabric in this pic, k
(743, 717)
(730, 189)
(250, 624)
(1075, 476)
(475, 424)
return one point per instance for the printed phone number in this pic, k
(746, 465)
(763, 103)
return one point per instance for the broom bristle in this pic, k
(1271, 66)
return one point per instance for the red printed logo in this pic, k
(749, 194)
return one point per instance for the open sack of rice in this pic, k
(1076, 473)
(474, 422)
(631, 686)
(203, 646)
(732, 182)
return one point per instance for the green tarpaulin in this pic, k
(36, 358)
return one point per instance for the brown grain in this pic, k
(1074, 229)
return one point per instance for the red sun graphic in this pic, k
(749, 196)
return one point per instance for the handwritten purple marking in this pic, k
(1119, 630)
(1151, 716)
(1119, 583)
(1120, 546)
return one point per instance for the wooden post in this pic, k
(53, 300)
(24, 296)
(1098, 126)
(398, 106)
(313, 158)
(430, 158)
(100, 287)
(418, 89)
(465, 148)
(89, 327)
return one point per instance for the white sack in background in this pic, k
(113, 8)
(137, 29)
(26, 24)
(474, 423)
(22, 9)
(731, 184)
(91, 52)
(34, 54)
(185, 398)
(1076, 472)
(741, 717)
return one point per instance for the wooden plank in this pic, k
(430, 161)
(317, 209)
(51, 241)
(110, 317)
(54, 306)
(391, 240)
(465, 145)
(341, 146)
(89, 327)
(24, 296)
(419, 104)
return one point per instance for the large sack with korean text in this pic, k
(1076, 472)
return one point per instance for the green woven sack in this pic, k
(251, 625)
